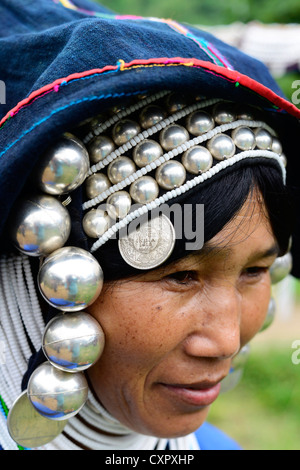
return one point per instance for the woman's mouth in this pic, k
(201, 394)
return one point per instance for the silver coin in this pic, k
(150, 245)
(28, 428)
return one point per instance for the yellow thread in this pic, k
(67, 4)
(122, 64)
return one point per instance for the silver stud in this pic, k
(281, 268)
(56, 394)
(124, 131)
(40, 225)
(120, 169)
(199, 123)
(221, 147)
(224, 113)
(197, 160)
(270, 315)
(96, 184)
(100, 148)
(144, 190)
(175, 102)
(283, 159)
(237, 369)
(118, 205)
(146, 152)
(276, 146)
(170, 175)
(63, 167)
(244, 138)
(151, 115)
(70, 279)
(173, 136)
(95, 223)
(264, 139)
(73, 341)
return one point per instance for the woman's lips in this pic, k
(200, 395)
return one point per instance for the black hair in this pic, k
(222, 196)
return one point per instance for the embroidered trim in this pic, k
(279, 104)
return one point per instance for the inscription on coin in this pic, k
(150, 245)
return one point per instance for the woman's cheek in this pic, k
(254, 313)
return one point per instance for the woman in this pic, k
(159, 216)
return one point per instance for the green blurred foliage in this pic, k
(209, 12)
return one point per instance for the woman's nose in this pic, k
(216, 331)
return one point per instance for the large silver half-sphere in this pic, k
(40, 225)
(73, 341)
(63, 167)
(56, 394)
(281, 268)
(70, 279)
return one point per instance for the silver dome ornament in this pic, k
(96, 184)
(40, 225)
(99, 148)
(144, 190)
(70, 279)
(284, 160)
(264, 139)
(120, 169)
(281, 268)
(244, 138)
(73, 342)
(221, 147)
(151, 115)
(224, 113)
(237, 370)
(63, 167)
(170, 175)
(124, 131)
(270, 315)
(146, 152)
(173, 136)
(175, 102)
(56, 394)
(96, 222)
(197, 160)
(118, 205)
(199, 123)
(276, 146)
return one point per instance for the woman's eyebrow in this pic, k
(225, 251)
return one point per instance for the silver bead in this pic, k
(146, 152)
(96, 184)
(173, 136)
(244, 138)
(241, 359)
(197, 160)
(70, 279)
(118, 205)
(95, 223)
(151, 115)
(120, 169)
(264, 139)
(63, 167)
(170, 175)
(73, 342)
(221, 147)
(199, 123)
(100, 148)
(281, 268)
(276, 146)
(224, 113)
(270, 315)
(56, 394)
(175, 102)
(144, 190)
(124, 131)
(40, 225)
(284, 160)
(237, 369)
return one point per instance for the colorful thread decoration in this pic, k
(210, 50)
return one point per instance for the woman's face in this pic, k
(171, 333)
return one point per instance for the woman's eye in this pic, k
(256, 271)
(182, 277)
